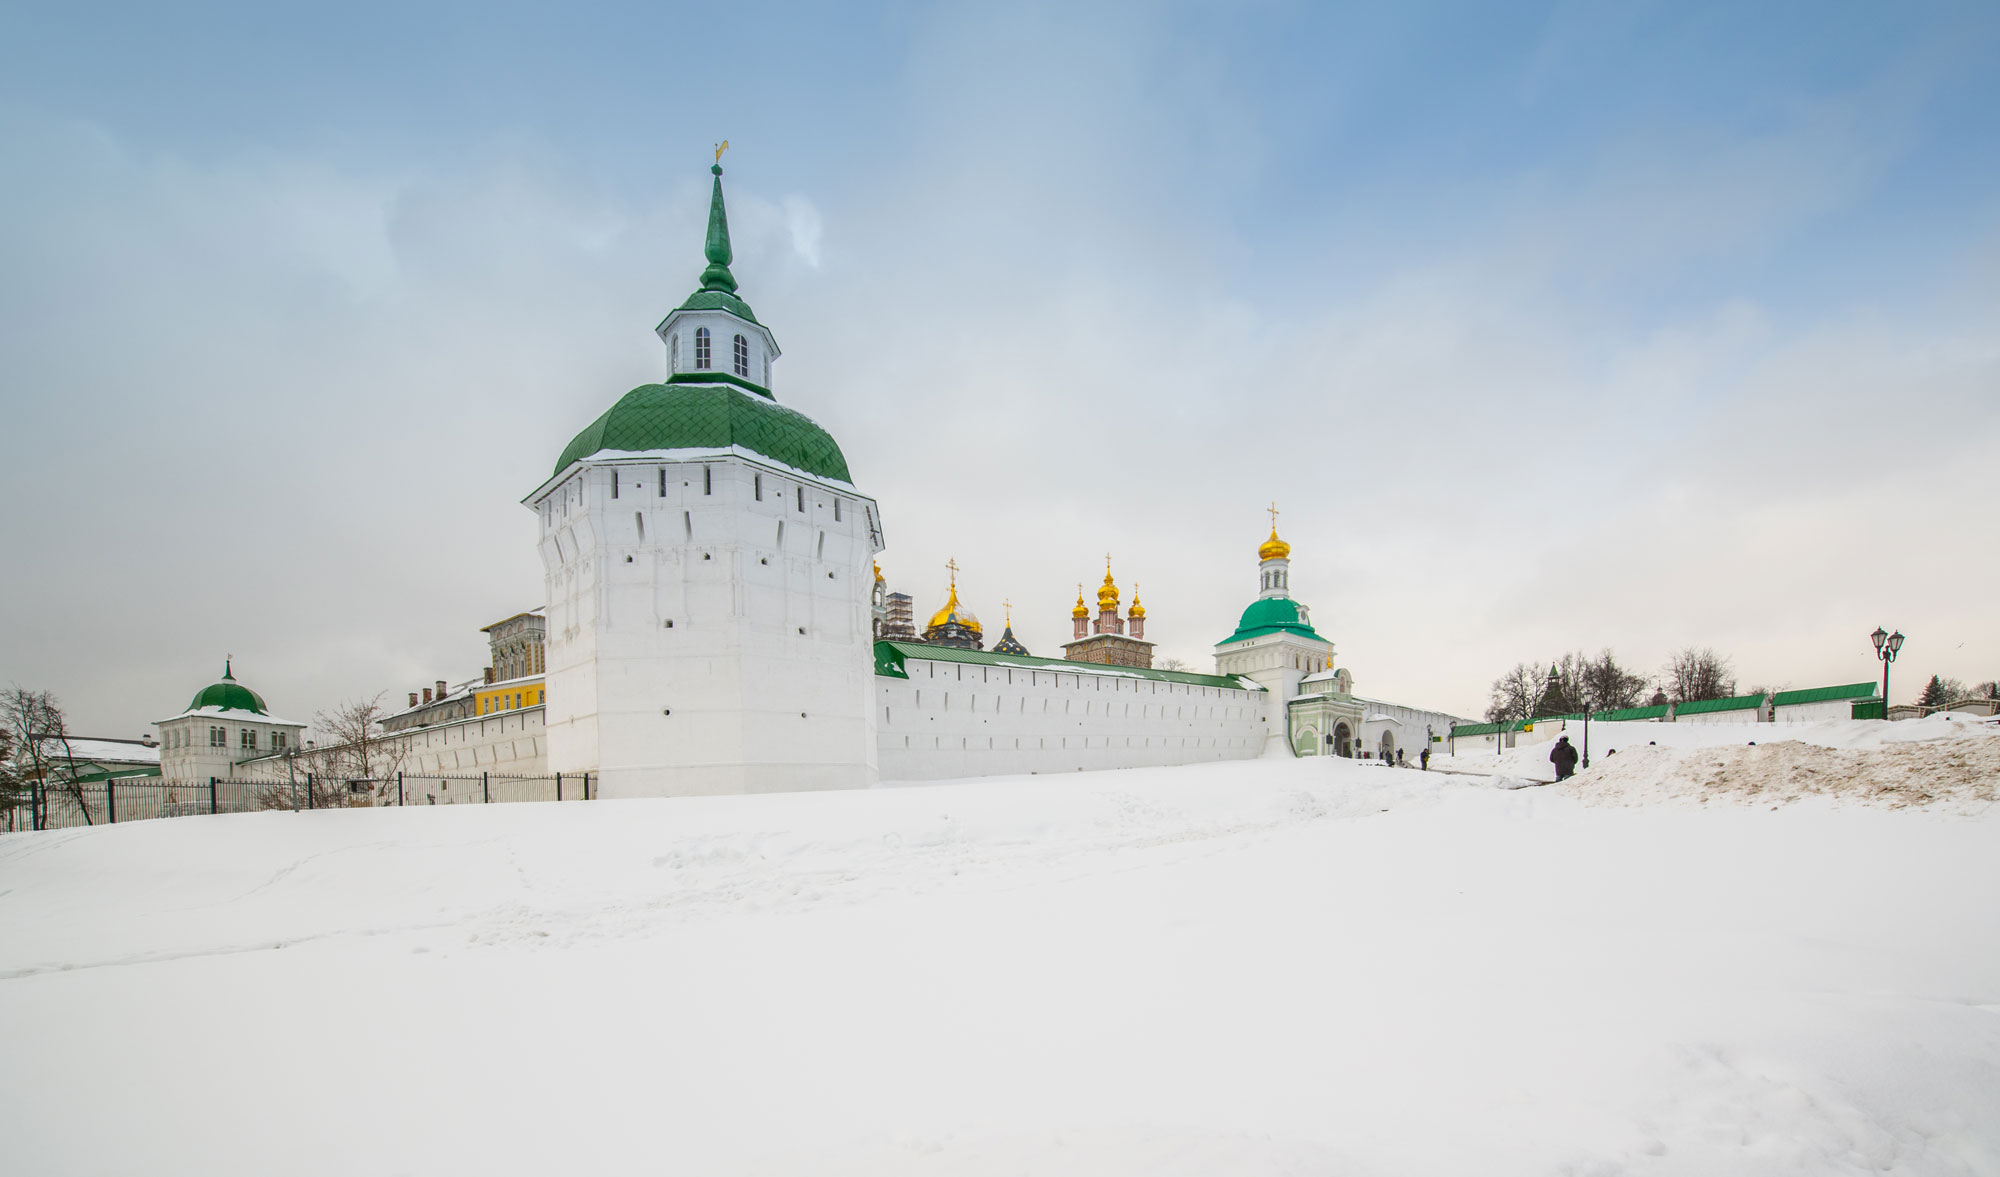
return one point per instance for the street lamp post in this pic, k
(1886, 646)
(1586, 731)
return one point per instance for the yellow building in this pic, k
(511, 695)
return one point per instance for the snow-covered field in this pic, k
(1269, 967)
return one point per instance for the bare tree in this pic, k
(1515, 693)
(1171, 664)
(1695, 674)
(351, 758)
(1609, 686)
(38, 732)
(14, 788)
(1954, 688)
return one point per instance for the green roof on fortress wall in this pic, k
(1628, 714)
(1859, 690)
(1706, 706)
(890, 656)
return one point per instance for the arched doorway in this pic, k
(1388, 746)
(1343, 740)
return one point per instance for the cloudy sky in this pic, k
(1547, 326)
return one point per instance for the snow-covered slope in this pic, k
(1261, 967)
(1942, 758)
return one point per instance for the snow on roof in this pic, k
(238, 716)
(108, 751)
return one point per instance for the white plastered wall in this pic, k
(951, 719)
(710, 635)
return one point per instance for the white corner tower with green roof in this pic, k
(709, 568)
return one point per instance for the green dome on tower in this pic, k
(1272, 615)
(709, 409)
(228, 695)
(709, 417)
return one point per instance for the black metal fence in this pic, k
(142, 798)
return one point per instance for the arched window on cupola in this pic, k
(742, 357)
(701, 348)
(674, 352)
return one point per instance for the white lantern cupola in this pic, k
(714, 336)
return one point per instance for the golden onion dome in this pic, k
(1274, 548)
(1107, 595)
(1080, 611)
(1137, 610)
(953, 611)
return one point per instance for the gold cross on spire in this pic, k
(953, 565)
(1008, 605)
(1274, 516)
(719, 149)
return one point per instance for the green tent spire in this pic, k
(717, 275)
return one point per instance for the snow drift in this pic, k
(1260, 967)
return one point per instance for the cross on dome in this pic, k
(1274, 548)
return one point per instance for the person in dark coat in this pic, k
(1563, 756)
(1424, 758)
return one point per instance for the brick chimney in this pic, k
(441, 691)
(413, 698)
(489, 676)
(427, 694)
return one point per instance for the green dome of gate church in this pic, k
(228, 695)
(1272, 615)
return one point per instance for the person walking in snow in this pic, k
(1563, 756)
(1424, 758)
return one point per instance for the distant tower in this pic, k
(1080, 616)
(879, 604)
(1008, 644)
(1274, 642)
(1136, 615)
(1107, 605)
(954, 624)
(899, 621)
(707, 562)
(1107, 643)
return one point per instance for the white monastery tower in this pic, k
(710, 575)
(1274, 642)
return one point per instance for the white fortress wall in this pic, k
(952, 719)
(510, 742)
(1408, 728)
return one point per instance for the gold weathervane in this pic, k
(719, 149)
